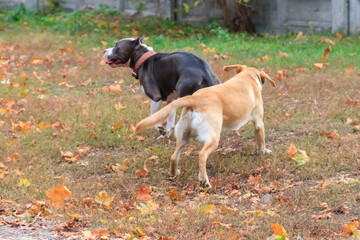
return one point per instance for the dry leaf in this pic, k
(143, 194)
(278, 229)
(58, 196)
(352, 121)
(318, 66)
(299, 35)
(331, 135)
(292, 150)
(148, 208)
(207, 208)
(301, 157)
(103, 43)
(325, 55)
(349, 69)
(351, 227)
(141, 173)
(338, 35)
(327, 40)
(119, 106)
(254, 180)
(173, 194)
(302, 69)
(23, 182)
(103, 198)
(282, 54)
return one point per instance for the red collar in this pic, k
(141, 60)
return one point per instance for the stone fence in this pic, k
(273, 16)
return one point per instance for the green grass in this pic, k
(303, 105)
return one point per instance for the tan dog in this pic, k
(209, 110)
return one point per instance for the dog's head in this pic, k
(261, 74)
(122, 52)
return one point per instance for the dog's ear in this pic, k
(264, 76)
(139, 40)
(239, 68)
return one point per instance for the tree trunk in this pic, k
(237, 19)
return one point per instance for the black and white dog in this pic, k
(163, 76)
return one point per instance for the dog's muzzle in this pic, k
(110, 59)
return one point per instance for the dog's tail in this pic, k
(164, 113)
(210, 77)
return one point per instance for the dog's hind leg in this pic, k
(182, 134)
(208, 130)
(260, 133)
(170, 124)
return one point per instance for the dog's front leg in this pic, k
(154, 107)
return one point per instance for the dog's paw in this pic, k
(205, 184)
(266, 151)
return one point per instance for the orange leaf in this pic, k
(104, 43)
(327, 40)
(282, 54)
(325, 55)
(331, 135)
(143, 194)
(58, 196)
(301, 69)
(141, 173)
(278, 229)
(349, 69)
(318, 66)
(351, 227)
(254, 180)
(292, 150)
(173, 194)
(338, 35)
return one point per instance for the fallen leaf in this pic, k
(331, 135)
(301, 157)
(292, 150)
(103, 198)
(299, 35)
(338, 35)
(352, 101)
(104, 43)
(327, 40)
(58, 196)
(143, 194)
(282, 54)
(325, 55)
(23, 182)
(207, 208)
(141, 173)
(254, 180)
(351, 227)
(13, 157)
(148, 208)
(318, 66)
(282, 73)
(278, 229)
(119, 106)
(257, 213)
(173, 194)
(349, 69)
(352, 121)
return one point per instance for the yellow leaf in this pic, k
(73, 215)
(148, 208)
(23, 182)
(278, 229)
(139, 230)
(257, 213)
(103, 198)
(301, 158)
(119, 106)
(207, 208)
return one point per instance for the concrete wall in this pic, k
(274, 16)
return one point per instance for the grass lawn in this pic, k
(66, 119)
